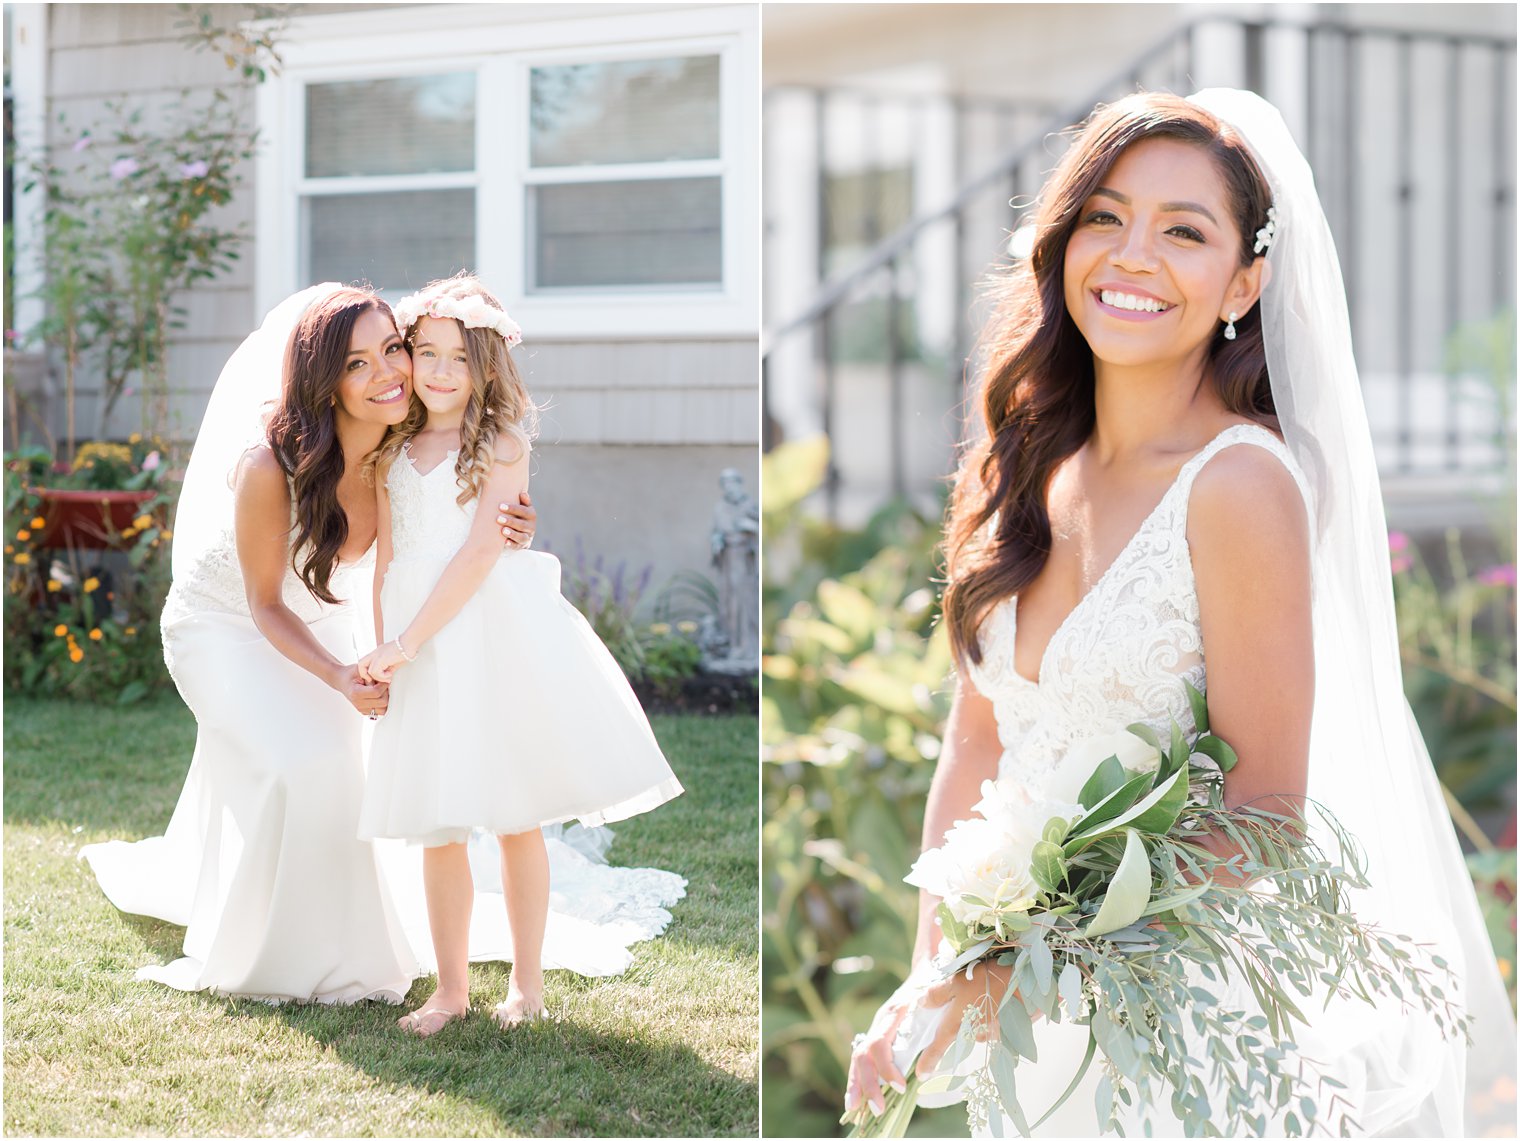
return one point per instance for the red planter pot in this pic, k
(88, 520)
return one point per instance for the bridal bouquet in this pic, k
(1107, 904)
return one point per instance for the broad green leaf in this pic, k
(1115, 804)
(1108, 777)
(1217, 751)
(1056, 829)
(849, 608)
(792, 471)
(1047, 865)
(1016, 1026)
(1166, 801)
(1146, 734)
(1199, 705)
(1177, 757)
(1128, 892)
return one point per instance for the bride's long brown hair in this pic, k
(303, 432)
(1037, 385)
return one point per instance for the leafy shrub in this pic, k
(83, 624)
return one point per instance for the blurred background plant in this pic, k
(83, 622)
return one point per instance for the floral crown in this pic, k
(472, 312)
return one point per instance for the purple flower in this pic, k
(81, 143)
(196, 169)
(1501, 575)
(123, 167)
(1398, 541)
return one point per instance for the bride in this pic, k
(1177, 483)
(266, 618)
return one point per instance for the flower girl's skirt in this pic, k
(513, 716)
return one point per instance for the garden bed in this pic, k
(706, 693)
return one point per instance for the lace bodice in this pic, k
(1120, 656)
(427, 522)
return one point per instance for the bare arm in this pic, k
(261, 517)
(968, 756)
(466, 570)
(1251, 568)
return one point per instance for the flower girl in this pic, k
(473, 628)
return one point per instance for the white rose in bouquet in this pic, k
(983, 868)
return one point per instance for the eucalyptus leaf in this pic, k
(1002, 1064)
(1070, 985)
(968, 956)
(1016, 1027)
(1043, 963)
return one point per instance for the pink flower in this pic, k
(81, 143)
(128, 391)
(196, 169)
(1401, 563)
(150, 462)
(1397, 541)
(123, 167)
(1502, 575)
(11, 335)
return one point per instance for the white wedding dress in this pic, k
(261, 862)
(1120, 657)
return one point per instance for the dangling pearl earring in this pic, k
(1229, 329)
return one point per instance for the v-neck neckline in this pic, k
(407, 449)
(1108, 571)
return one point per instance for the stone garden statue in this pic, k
(735, 556)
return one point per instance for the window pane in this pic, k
(393, 241)
(660, 232)
(653, 110)
(417, 125)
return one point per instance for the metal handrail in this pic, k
(888, 250)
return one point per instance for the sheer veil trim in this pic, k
(245, 392)
(1368, 761)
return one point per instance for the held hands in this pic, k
(518, 521)
(363, 694)
(380, 663)
(872, 1063)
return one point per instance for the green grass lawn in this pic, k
(669, 1048)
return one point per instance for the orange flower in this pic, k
(76, 655)
(129, 532)
(91, 584)
(23, 534)
(60, 630)
(131, 631)
(96, 635)
(135, 438)
(38, 523)
(166, 534)
(143, 522)
(54, 586)
(23, 558)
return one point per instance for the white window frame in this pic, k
(504, 42)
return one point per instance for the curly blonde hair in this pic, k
(499, 403)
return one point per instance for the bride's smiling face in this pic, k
(376, 384)
(1153, 267)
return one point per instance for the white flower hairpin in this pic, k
(1268, 233)
(472, 312)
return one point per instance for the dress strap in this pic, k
(1243, 434)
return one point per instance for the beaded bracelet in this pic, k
(404, 654)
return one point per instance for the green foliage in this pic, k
(671, 655)
(667, 1049)
(855, 689)
(133, 216)
(83, 623)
